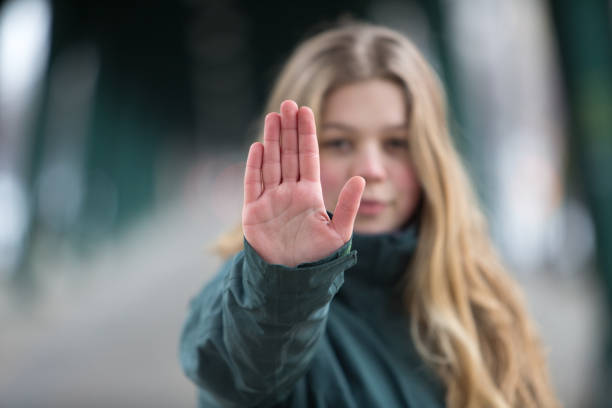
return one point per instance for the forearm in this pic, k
(256, 338)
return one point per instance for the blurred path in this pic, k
(105, 331)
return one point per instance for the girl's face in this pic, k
(364, 133)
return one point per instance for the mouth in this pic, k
(372, 207)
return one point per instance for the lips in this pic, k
(372, 207)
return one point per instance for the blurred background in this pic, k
(123, 135)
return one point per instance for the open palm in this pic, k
(284, 217)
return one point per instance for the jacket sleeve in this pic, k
(252, 331)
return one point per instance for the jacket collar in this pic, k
(382, 258)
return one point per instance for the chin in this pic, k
(372, 227)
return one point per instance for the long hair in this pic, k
(467, 316)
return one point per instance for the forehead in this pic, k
(366, 104)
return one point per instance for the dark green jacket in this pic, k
(324, 334)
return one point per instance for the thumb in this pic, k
(348, 204)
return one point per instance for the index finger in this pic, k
(252, 175)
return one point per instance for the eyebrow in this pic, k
(348, 128)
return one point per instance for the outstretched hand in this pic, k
(283, 216)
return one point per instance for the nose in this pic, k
(370, 164)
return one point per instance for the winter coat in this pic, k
(331, 333)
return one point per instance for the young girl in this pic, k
(398, 299)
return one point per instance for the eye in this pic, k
(337, 144)
(396, 144)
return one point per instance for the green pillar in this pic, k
(585, 43)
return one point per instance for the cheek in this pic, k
(406, 181)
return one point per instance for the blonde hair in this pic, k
(467, 316)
